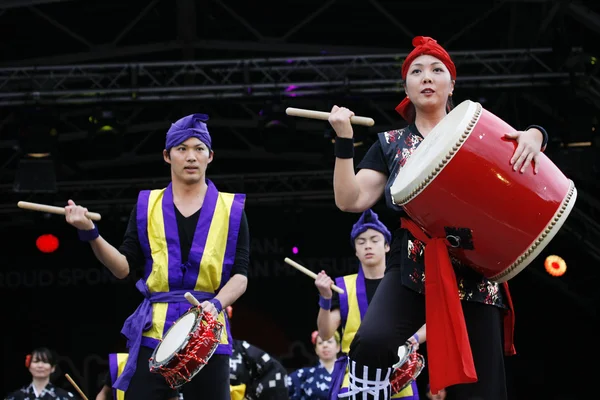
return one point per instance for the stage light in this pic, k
(295, 250)
(47, 243)
(555, 265)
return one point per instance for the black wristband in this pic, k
(344, 147)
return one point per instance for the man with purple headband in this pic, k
(167, 235)
(370, 239)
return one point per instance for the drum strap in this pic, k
(449, 351)
(141, 320)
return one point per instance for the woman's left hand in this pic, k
(528, 149)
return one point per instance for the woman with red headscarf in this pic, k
(465, 332)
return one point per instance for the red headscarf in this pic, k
(423, 45)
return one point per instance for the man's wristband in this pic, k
(217, 304)
(324, 303)
(88, 235)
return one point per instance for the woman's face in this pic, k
(39, 368)
(327, 350)
(428, 84)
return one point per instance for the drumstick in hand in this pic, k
(53, 210)
(76, 387)
(193, 301)
(308, 272)
(312, 114)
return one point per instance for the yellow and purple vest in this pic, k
(167, 278)
(210, 261)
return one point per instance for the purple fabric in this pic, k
(324, 303)
(217, 304)
(113, 368)
(141, 320)
(235, 218)
(177, 269)
(193, 125)
(337, 377)
(142, 228)
(361, 293)
(86, 236)
(343, 299)
(369, 220)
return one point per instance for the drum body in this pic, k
(407, 369)
(459, 184)
(186, 347)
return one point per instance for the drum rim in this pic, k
(199, 316)
(418, 188)
(543, 239)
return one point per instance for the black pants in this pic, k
(211, 383)
(396, 312)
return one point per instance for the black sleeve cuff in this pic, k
(544, 133)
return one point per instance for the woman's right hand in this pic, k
(339, 119)
(323, 283)
(75, 215)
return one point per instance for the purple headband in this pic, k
(370, 220)
(191, 126)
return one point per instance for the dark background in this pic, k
(141, 65)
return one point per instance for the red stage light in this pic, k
(47, 243)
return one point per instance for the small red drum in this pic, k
(407, 369)
(459, 184)
(186, 347)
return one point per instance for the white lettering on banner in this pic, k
(266, 261)
(39, 278)
(259, 268)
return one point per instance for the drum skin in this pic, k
(511, 216)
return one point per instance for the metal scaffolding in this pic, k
(262, 77)
(307, 188)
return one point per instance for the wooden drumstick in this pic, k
(53, 210)
(312, 114)
(193, 301)
(76, 387)
(311, 274)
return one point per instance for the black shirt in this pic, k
(406, 252)
(186, 227)
(370, 288)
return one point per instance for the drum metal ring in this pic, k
(453, 240)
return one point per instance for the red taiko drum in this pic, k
(459, 184)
